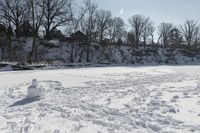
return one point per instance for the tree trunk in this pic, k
(9, 41)
(48, 37)
(132, 60)
(35, 48)
(144, 38)
(33, 54)
(17, 30)
(81, 56)
(101, 38)
(72, 53)
(88, 53)
(137, 41)
(2, 53)
(152, 39)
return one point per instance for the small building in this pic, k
(50, 43)
(3, 30)
(24, 30)
(106, 41)
(68, 39)
(79, 37)
(56, 34)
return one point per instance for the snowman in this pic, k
(35, 90)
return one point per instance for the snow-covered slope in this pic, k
(54, 52)
(161, 99)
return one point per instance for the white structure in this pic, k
(35, 90)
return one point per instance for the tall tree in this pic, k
(151, 31)
(89, 24)
(77, 14)
(147, 32)
(190, 31)
(163, 31)
(56, 13)
(116, 29)
(103, 17)
(36, 11)
(12, 14)
(138, 24)
(13, 11)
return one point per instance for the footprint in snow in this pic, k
(174, 98)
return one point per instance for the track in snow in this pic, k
(149, 99)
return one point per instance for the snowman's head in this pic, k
(34, 82)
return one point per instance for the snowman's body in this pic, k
(35, 90)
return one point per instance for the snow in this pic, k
(102, 100)
(6, 68)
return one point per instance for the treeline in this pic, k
(27, 18)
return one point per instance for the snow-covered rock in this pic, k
(35, 90)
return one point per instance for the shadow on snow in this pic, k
(25, 101)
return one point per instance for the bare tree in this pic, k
(89, 24)
(163, 31)
(151, 31)
(13, 11)
(116, 29)
(90, 20)
(147, 32)
(83, 19)
(190, 31)
(103, 17)
(36, 13)
(12, 14)
(56, 13)
(77, 14)
(138, 24)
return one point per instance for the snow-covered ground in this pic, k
(163, 99)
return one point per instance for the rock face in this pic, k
(35, 90)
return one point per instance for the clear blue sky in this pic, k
(176, 11)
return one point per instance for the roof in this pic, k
(79, 36)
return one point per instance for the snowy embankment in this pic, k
(103, 100)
